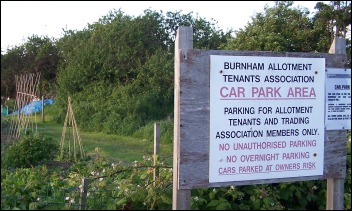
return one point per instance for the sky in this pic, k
(22, 19)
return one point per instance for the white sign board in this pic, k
(266, 117)
(338, 99)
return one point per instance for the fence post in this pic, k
(181, 198)
(335, 186)
(335, 194)
(83, 195)
(156, 149)
(43, 108)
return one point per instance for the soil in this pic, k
(62, 164)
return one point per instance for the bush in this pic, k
(51, 112)
(166, 131)
(30, 150)
(5, 125)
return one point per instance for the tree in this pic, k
(337, 16)
(11, 65)
(206, 34)
(38, 54)
(332, 21)
(285, 28)
(119, 70)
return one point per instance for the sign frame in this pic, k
(192, 112)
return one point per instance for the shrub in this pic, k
(166, 131)
(5, 125)
(31, 149)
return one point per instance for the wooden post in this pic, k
(181, 199)
(156, 149)
(335, 186)
(43, 108)
(335, 194)
(84, 191)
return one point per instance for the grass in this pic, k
(112, 147)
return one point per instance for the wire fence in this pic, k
(74, 199)
(84, 197)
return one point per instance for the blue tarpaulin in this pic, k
(34, 106)
(4, 110)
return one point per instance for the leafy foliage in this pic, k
(119, 71)
(166, 131)
(119, 186)
(285, 28)
(32, 149)
(22, 186)
(38, 54)
(276, 29)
